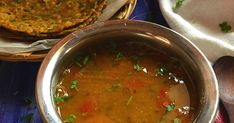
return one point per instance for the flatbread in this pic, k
(47, 18)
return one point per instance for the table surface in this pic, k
(18, 78)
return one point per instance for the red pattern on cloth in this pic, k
(221, 116)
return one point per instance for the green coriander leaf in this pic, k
(82, 59)
(170, 107)
(160, 121)
(177, 5)
(114, 87)
(129, 100)
(137, 67)
(27, 117)
(129, 73)
(70, 118)
(85, 60)
(74, 84)
(162, 70)
(119, 56)
(80, 65)
(59, 99)
(225, 27)
(176, 120)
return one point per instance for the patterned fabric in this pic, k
(18, 78)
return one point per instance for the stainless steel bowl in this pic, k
(158, 36)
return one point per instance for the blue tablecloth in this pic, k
(17, 79)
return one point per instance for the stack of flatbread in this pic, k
(38, 19)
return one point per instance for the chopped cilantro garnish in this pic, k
(225, 27)
(160, 121)
(59, 99)
(129, 100)
(129, 73)
(26, 118)
(137, 67)
(162, 70)
(86, 59)
(82, 60)
(170, 107)
(74, 85)
(176, 120)
(177, 5)
(119, 56)
(70, 118)
(114, 87)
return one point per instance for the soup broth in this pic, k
(125, 82)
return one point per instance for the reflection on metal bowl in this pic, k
(162, 38)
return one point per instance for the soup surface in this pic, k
(125, 83)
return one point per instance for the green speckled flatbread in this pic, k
(48, 18)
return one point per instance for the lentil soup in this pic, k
(125, 82)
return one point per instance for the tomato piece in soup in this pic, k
(88, 105)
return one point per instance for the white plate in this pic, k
(199, 20)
